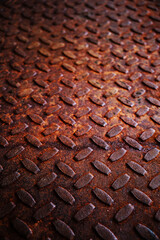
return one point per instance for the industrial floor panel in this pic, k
(79, 120)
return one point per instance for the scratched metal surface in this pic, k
(79, 120)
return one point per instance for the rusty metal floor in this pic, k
(80, 120)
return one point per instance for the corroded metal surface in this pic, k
(79, 115)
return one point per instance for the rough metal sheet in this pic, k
(79, 115)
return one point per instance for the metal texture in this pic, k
(80, 120)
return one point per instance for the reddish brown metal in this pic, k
(79, 115)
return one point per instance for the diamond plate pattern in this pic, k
(79, 120)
